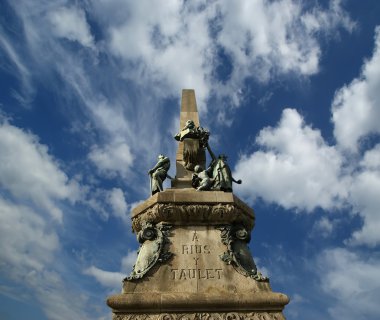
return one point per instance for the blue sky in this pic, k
(90, 95)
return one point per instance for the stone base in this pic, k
(202, 316)
(194, 262)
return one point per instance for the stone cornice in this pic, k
(268, 301)
(187, 206)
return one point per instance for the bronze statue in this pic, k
(195, 140)
(221, 174)
(218, 175)
(159, 173)
(201, 179)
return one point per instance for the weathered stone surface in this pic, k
(187, 206)
(189, 111)
(196, 279)
(203, 316)
(194, 262)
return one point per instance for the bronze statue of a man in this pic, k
(195, 140)
(159, 173)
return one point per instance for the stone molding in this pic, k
(195, 214)
(203, 316)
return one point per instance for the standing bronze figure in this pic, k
(158, 174)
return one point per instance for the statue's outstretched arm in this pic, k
(210, 152)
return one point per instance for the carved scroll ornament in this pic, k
(153, 248)
(236, 238)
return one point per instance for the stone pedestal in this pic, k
(195, 262)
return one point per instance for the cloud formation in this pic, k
(352, 281)
(32, 189)
(356, 106)
(282, 38)
(29, 172)
(296, 168)
(70, 23)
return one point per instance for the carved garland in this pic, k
(198, 213)
(203, 316)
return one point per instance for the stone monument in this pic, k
(194, 262)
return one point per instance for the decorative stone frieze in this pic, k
(203, 316)
(198, 208)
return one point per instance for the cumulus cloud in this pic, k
(30, 173)
(106, 278)
(353, 282)
(32, 189)
(276, 37)
(170, 46)
(112, 159)
(70, 23)
(26, 241)
(259, 38)
(118, 204)
(356, 106)
(28, 248)
(112, 279)
(364, 197)
(297, 169)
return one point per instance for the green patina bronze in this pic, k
(159, 173)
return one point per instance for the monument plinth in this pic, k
(194, 261)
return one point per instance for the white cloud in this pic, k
(263, 39)
(118, 204)
(128, 261)
(169, 43)
(352, 281)
(26, 241)
(106, 278)
(21, 71)
(356, 106)
(28, 172)
(111, 279)
(364, 196)
(70, 23)
(112, 159)
(296, 170)
(28, 252)
(323, 228)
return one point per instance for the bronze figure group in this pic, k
(216, 177)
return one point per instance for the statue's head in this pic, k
(198, 168)
(161, 156)
(190, 124)
(223, 157)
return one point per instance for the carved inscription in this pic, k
(196, 249)
(187, 274)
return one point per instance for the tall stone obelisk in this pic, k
(194, 262)
(189, 111)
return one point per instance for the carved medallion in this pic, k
(153, 248)
(236, 238)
